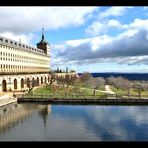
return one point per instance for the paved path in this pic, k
(107, 90)
(7, 98)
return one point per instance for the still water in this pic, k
(42, 122)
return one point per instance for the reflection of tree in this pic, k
(44, 115)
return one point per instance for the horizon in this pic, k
(118, 72)
(96, 39)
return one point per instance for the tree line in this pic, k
(73, 84)
(69, 84)
(125, 84)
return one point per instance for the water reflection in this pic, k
(44, 113)
(73, 123)
(107, 123)
(14, 114)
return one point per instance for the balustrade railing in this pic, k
(82, 96)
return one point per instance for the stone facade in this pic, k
(22, 82)
(23, 66)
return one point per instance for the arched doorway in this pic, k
(22, 83)
(33, 82)
(37, 83)
(48, 79)
(41, 80)
(28, 82)
(15, 83)
(4, 85)
(45, 79)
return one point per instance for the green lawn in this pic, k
(83, 93)
(121, 92)
(118, 91)
(46, 91)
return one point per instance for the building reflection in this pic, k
(44, 113)
(12, 115)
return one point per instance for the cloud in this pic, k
(114, 11)
(107, 20)
(114, 23)
(138, 24)
(145, 7)
(129, 47)
(25, 38)
(18, 22)
(29, 19)
(98, 28)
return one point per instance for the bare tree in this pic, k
(110, 80)
(95, 83)
(120, 83)
(69, 80)
(77, 86)
(61, 80)
(101, 82)
(139, 87)
(85, 77)
(52, 79)
(123, 84)
(54, 89)
(66, 81)
(126, 84)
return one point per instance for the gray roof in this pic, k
(19, 45)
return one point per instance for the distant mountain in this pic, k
(130, 76)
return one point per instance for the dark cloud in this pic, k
(119, 48)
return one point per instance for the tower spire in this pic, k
(42, 34)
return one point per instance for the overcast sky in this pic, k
(94, 39)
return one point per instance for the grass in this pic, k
(83, 93)
(47, 91)
(118, 91)
(121, 92)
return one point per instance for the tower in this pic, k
(45, 46)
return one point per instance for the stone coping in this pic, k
(85, 101)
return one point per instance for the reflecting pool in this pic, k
(46, 122)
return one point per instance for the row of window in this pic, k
(19, 58)
(32, 61)
(20, 45)
(19, 67)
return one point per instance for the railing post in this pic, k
(106, 95)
